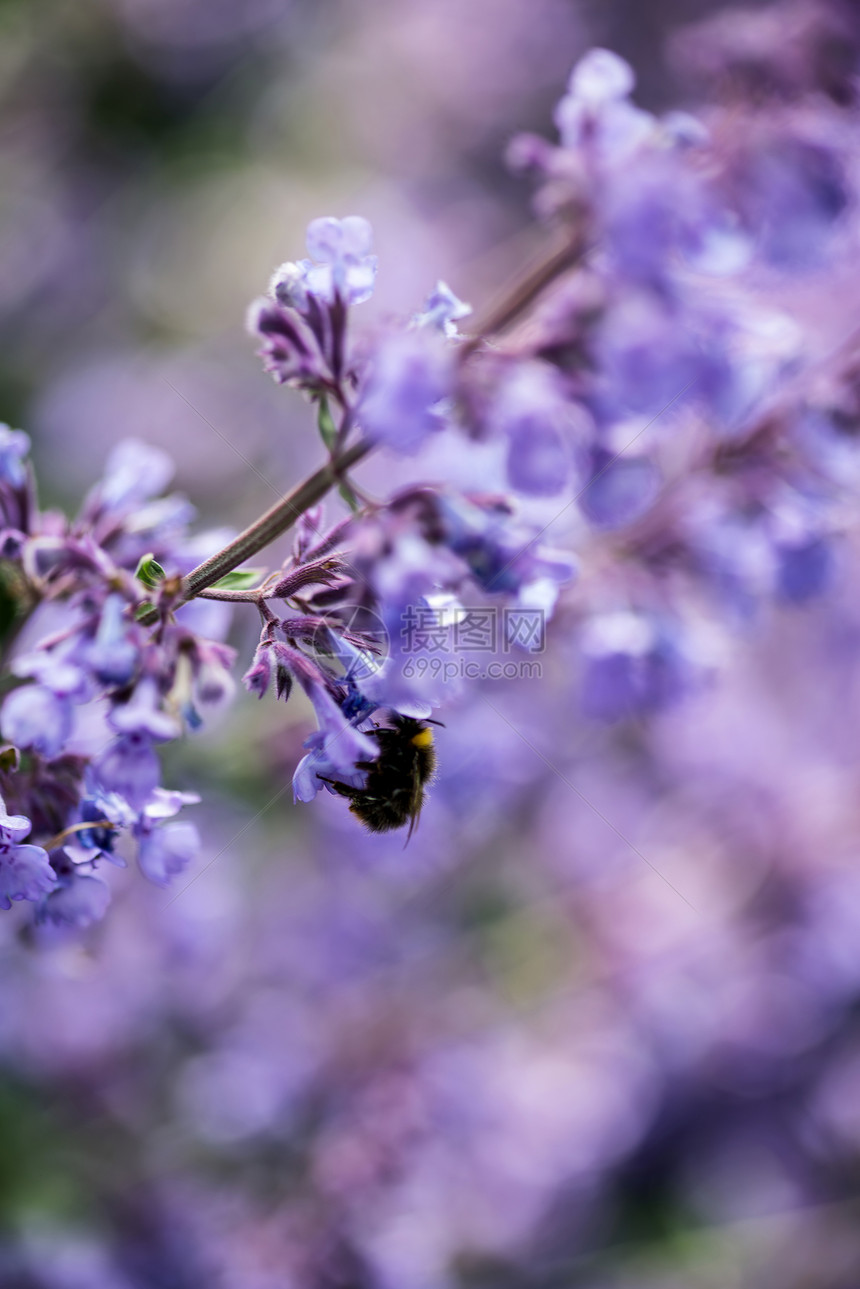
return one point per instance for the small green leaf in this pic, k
(350, 498)
(240, 579)
(143, 610)
(326, 425)
(149, 571)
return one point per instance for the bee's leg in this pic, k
(342, 789)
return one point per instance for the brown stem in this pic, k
(278, 520)
(526, 288)
(230, 597)
(281, 517)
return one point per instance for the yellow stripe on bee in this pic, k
(424, 738)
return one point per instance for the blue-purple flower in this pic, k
(335, 748)
(165, 852)
(77, 901)
(619, 490)
(36, 718)
(134, 473)
(443, 310)
(129, 767)
(341, 264)
(406, 391)
(14, 447)
(544, 430)
(634, 664)
(596, 113)
(114, 651)
(25, 870)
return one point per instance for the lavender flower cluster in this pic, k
(709, 456)
(91, 694)
(623, 1045)
(651, 375)
(648, 376)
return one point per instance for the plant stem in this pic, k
(277, 520)
(274, 523)
(281, 517)
(231, 597)
(519, 294)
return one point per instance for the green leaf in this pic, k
(350, 498)
(326, 425)
(240, 579)
(16, 601)
(143, 610)
(149, 571)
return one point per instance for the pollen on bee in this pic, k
(424, 738)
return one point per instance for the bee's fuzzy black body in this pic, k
(394, 791)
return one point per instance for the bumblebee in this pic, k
(394, 791)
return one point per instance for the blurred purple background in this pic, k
(597, 1026)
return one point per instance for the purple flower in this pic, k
(803, 553)
(540, 425)
(442, 310)
(409, 381)
(736, 559)
(601, 76)
(538, 460)
(790, 193)
(107, 812)
(596, 115)
(344, 265)
(633, 664)
(113, 653)
(13, 828)
(287, 285)
(501, 555)
(288, 353)
(332, 753)
(143, 714)
(657, 210)
(130, 768)
(134, 472)
(804, 569)
(167, 851)
(25, 871)
(34, 717)
(620, 490)
(308, 530)
(333, 749)
(14, 446)
(54, 669)
(167, 802)
(410, 679)
(11, 541)
(258, 678)
(213, 684)
(651, 358)
(78, 901)
(25, 874)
